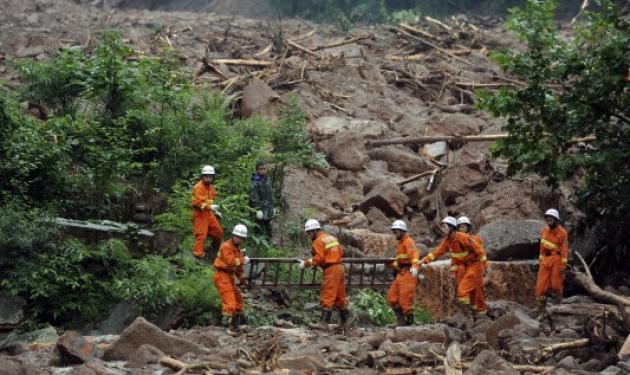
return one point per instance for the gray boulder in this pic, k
(347, 151)
(46, 335)
(512, 239)
(387, 197)
(490, 363)
(10, 310)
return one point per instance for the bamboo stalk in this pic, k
(342, 43)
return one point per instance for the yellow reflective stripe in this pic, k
(402, 256)
(331, 244)
(464, 300)
(458, 255)
(484, 258)
(564, 260)
(541, 257)
(415, 261)
(549, 244)
(454, 267)
(431, 256)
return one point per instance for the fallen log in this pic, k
(598, 293)
(579, 343)
(414, 30)
(446, 138)
(290, 43)
(434, 46)
(182, 367)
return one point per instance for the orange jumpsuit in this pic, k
(204, 221)
(228, 265)
(403, 290)
(469, 260)
(554, 251)
(327, 254)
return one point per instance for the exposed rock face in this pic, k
(512, 239)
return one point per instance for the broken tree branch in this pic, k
(184, 367)
(424, 41)
(579, 343)
(414, 30)
(290, 43)
(416, 177)
(341, 43)
(588, 271)
(598, 293)
(242, 62)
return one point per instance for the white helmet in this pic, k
(311, 224)
(553, 213)
(463, 220)
(450, 221)
(240, 231)
(399, 224)
(208, 169)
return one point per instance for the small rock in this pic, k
(283, 323)
(567, 363)
(75, 349)
(423, 333)
(488, 362)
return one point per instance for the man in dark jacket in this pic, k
(261, 197)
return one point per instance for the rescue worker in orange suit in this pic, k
(228, 267)
(327, 254)
(401, 294)
(205, 212)
(554, 253)
(467, 255)
(477, 298)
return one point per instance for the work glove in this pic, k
(301, 264)
(395, 265)
(414, 272)
(246, 260)
(237, 262)
(421, 277)
(259, 215)
(215, 209)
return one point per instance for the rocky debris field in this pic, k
(368, 85)
(575, 338)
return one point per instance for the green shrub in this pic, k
(151, 284)
(197, 293)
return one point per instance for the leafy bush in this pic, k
(150, 284)
(197, 293)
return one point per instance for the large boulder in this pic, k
(387, 197)
(347, 151)
(259, 99)
(327, 127)
(141, 332)
(460, 180)
(74, 349)
(511, 320)
(462, 124)
(490, 363)
(44, 336)
(512, 239)
(400, 159)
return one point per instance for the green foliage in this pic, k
(574, 89)
(151, 284)
(374, 305)
(197, 293)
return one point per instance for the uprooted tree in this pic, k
(574, 88)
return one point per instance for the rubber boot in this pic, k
(344, 314)
(236, 323)
(400, 318)
(324, 321)
(409, 318)
(227, 323)
(541, 310)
